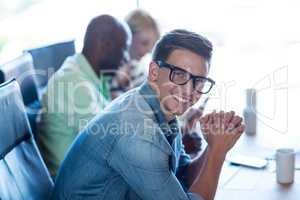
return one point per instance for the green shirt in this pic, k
(74, 95)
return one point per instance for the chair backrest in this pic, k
(23, 174)
(48, 59)
(2, 77)
(22, 69)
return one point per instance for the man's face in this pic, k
(142, 43)
(176, 99)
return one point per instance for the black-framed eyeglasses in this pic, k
(180, 76)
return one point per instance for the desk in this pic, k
(252, 184)
(242, 183)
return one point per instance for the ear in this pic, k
(153, 71)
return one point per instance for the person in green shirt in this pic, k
(79, 90)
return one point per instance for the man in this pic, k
(133, 150)
(145, 33)
(78, 90)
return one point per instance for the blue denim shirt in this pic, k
(129, 151)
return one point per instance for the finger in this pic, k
(229, 117)
(222, 115)
(236, 121)
(238, 130)
(210, 117)
(209, 123)
(215, 122)
(219, 121)
(207, 119)
(204, 124)
(222, 120)
(205, 127)
(241, 128)
(213, 117)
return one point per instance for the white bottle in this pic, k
(250, 112)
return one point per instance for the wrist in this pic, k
(216, 153)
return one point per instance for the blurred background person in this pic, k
(145, 32)
(79, 89)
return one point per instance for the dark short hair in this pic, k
(182, 39)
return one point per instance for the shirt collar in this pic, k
(86, 67)
(100, 81)
(169, 128)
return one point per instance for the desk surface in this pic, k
(242, 183)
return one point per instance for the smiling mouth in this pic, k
(182, 99)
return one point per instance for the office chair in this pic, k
(23, 174)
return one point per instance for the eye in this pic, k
(180, 77)
(200, 83)
(179, 73)
(201, 80)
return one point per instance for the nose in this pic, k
(188, 88)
